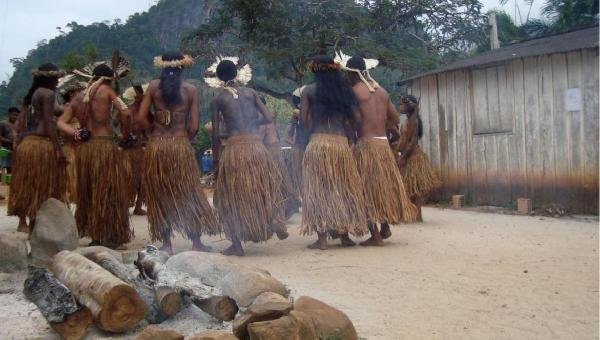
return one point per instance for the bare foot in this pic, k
(139, 212)
(346, 241)
(372, 242)
(318, 245)
(198, 246)
(23, 228)
(233, 251)
(385, 232)
(282, 234)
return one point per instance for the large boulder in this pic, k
(329, 322)
(260, 312)
(154, 332)
(99, 249)
(296, 326)
(13, 252)
(267, 297)
(213, 335)
(241, 283)
(55, 230)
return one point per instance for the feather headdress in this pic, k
(69, 83)
(244, 75)
(49, 74)
(121, 70)
(129, 94)
(365, 76)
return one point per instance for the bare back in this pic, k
(99, 110)
(242, 115)
(180, 114)
(37, 124)
(377, 111)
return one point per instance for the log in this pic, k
(115, 305)
(160, 306)
(57, 304)
(151, 265)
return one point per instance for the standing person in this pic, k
(8, 135)
(135, 157)
(248, 190)
(332, 190)
(171, 179)
(291, 201)
(386, 198)
(295, 138)
(101, 176)
(69, 91)
(39, 162)
(419, 177)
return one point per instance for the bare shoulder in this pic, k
(153, 86)
(189, 86)
(44, 92)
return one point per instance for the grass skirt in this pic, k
(36, 177)
(248, 191)
(175, 199)
(291, 199)
(102, 194)
(332, 190)
(385, 195)
(294, 164)
(70, 151)
(135, 158)
(418, 175)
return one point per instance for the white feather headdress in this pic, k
(244, 75)
(365, 76)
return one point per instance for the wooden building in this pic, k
(517, 121)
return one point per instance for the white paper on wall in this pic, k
(573, 100)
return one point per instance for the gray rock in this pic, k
(241, 283)
(54, 231)
(13, 252)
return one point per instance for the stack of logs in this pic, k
(99, 288)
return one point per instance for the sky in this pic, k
(25, 22)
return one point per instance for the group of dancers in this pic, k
(351, 170)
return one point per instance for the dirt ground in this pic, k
(459, 275)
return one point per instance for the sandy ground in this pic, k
(459, 275)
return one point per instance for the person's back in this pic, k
(177, 115)
(97, 111)
(171, 177)
(241, 115)
(374, 109)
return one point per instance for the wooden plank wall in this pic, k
(550, 155)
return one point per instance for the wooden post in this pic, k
(524, 206)
(115, 305)
(458, 201)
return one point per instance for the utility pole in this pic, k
(494, 42)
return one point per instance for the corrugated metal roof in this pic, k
(559, 43)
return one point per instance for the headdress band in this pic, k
(49, 74)
(187, 61)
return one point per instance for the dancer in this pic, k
(248, 191)
(135, 157)
(386, 198)
(101, 176)
(39, 163)
(171, 179)
(418, 175)
(333, 201)
(291, 200)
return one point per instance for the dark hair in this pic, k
(102, 70)
(356, 62)
(226, 70)
(13, 109)
(41, 81)
(412, 107)
(171, 79)
(296, 101)
(334, 97)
